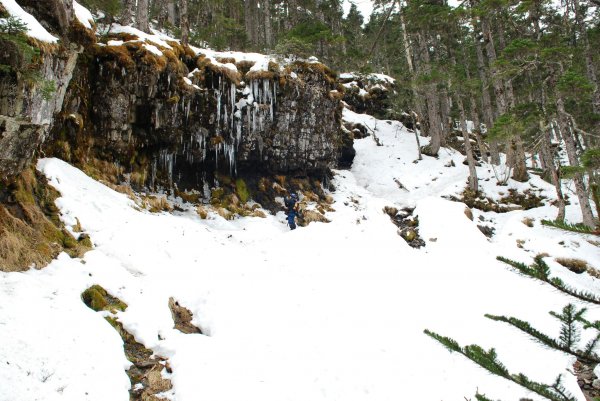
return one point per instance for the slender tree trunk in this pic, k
(142, 16)
(431, 96)
(418, 100)
(171, 13)
(127, 12)
(519, 167)
(486, 101)
(162, 13)
(580, 190)
(473, 184)
(184, 21)
(267, 21)
(550, 166)
(477, 132)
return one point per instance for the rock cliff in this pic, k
(172, 116)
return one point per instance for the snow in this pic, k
(83, 15)
(382, 78)
(34, 28)
(326, 312)
(261, 61)
(155, 38)
(153, 49)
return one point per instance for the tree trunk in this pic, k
(266, 9)
(142, 16)
(473, 184)
(580, 190)
(162, 13)
(431, 96)
(519, 167)
(550, 166)
(417, 98)
(185, 22)
(127, 12)
(171, 13)
(486, 101)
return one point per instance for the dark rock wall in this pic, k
(130, 107)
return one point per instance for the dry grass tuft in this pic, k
(204, 63)
(118, 54)
(254, 75)
(575, 265)
(528, 221)
(202, 212)
(244, 65)
(156, 203)
(225, 60)
(103, 171)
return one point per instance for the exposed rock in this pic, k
(368, 93)
(16, 137)
(488, 231)
(32, 89)
(182, 317)
(55, 15)
(408, 226)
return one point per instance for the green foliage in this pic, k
(482, 397)
(489, 361)
(578, 228)
(571, 171)
(540, 270)
(241, 190)
(506, 126)
(47, 89)
(572, 83)
(568, 342)
(569, 333)
(293, 47)
(590, 159)
(14, 30)
(12, 26)
(111, 8)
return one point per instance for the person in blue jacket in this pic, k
(291, 204)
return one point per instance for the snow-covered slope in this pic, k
(327, 312)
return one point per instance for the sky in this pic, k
(364, 6)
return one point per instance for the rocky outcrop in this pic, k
(33, 81)
(368, 93)
(176, 118)
(54, 15)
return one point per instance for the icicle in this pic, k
(218, 107)
(232, 94)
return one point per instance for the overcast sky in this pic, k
(364, 6)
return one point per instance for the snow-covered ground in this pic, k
(326, 312)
